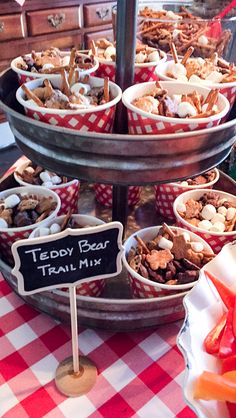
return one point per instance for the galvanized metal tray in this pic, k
(115, 309)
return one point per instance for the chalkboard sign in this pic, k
(70, 257)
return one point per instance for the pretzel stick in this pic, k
(76, 76)
(48, 88)
(187, 55)
(70, 75)
(174, 52)
(72, 57)
(202, 115)
(66, 220)
(65, 85)
(169, 231)
(213, 100)
(106, 89)
(142, 243)
(55, 69)
(31, 96)
(93, 47)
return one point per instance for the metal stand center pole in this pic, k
(125, 57)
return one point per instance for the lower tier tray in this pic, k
(114, 309)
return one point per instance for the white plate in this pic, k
(203, 308)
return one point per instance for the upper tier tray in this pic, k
(112, 158)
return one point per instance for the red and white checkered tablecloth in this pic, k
(140, 374)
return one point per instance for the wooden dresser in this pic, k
(61, 23)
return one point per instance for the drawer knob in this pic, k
(56, 20)
(102, 13)
(1, 27)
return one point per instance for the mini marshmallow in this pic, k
(47, 184)
(230, 214)
(75, 89)
(186, 236)
(140, 58)
(218, 227)
(29, 169)
(54, 228)
(198, 247)
(215, 77)
(66, 60)
(186, 109)
(45, 176)
(177, 69)
(195, 79)
(181, 207)
(182, 78)
(203, 40)
(3, 223)
(222, 201)
(165, 244)
(109, 52)
(43, 231)
(154, 56)
(205, 224)
(184, 183)
(222, 210)
(11, 201)
(218, 217)
(56, 179)
(208, 212)
(177, 98)
(175, 34)
(172, 15)
(200, 61)
(47, 66)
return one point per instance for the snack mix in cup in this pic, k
(211, 214)
(158, 28)
(23, 209)
(167, 107)
(75, 221)
(84, 104)
(146, 60)
(166, 193)
(52, 61)
(213, 72)
(68, 190)
(103, 194)
(164, 260)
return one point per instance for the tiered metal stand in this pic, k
(120, 159)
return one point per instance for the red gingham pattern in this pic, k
(230, 94)
(8, 238)
(215, 242)
(138, 124)
(101, 121)
(140, 374)
(142, 290)
(166, 195)
(24, 78)
(69, 195)
(93, 288)
(141, 75)
(103, 194)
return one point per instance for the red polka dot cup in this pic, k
(103, 194)
(12, 234)
(95, 287)
(141, 122)
(92, 119)
(167, 193)
(216, 240)
(68, 192)
(145, 288)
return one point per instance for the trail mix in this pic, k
(184, 29)
(106, 50)
(198, 70)
(52, 61)
(204, 178)
(191, 105)
(18, 210)
(73, 94)
(68, 222)
(38, 176)
(169, 258)
(210, 212)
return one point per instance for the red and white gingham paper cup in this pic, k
(10, 235)
(25, 76)
(145, 288)
(140, 122)
(103, 194)
(142, 72)
(95, 287)
(167, 193)
(68, 192)
(215, 239)
(93, 119)
(227, 89)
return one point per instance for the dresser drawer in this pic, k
(108, 34)
(11, 27)
(53, 20)
(98, 14)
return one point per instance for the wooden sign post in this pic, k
(66, 259)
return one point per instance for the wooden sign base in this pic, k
(75, 384)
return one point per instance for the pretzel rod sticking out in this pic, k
(213, 100)
(49, 89)
(93, 47)
(65, 85)
(106, 89)
(142, 244)
(72, 57)
(31, 96)
(66, 220)
(187, 55)
(70, 75)
(174, 52)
